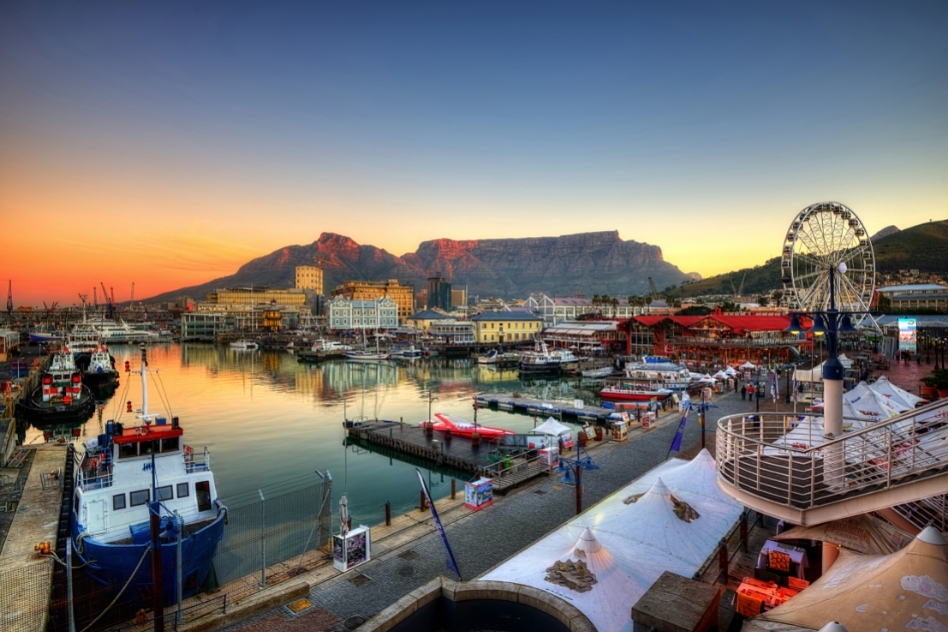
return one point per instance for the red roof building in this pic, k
(716, 339)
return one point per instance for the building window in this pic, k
(118, 501)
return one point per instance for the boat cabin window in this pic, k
(127, 450)
(139, 498)
(169, 445)
(164, 493)
(146, 447)
(183, 490)
(203, 491)
(118, 501)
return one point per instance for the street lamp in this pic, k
(830, 323)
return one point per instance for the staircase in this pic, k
(897, 462)
(927, 511)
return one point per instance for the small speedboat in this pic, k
(457, 426)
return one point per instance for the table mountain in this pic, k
(588, 263)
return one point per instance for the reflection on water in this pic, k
(270, 421)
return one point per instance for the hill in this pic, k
(594, 263)
(923, 247)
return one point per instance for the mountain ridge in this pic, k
(596, 263)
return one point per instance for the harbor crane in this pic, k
(109, 301)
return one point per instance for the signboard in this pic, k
(907, 335)
(478, 494)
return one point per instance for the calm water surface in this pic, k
(270, 421)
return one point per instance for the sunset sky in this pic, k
(167, 143)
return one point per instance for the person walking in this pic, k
(750, 391)
(744, 392)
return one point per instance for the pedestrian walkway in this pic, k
(907, 374)
(483, 539)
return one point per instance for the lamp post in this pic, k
(830, 324)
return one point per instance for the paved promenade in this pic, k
(409, 554)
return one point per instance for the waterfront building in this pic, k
(931, 296)
(256, 296)
(506, 327)
(403, 295)
(459, 298)
(453, 332)
(439, 293)
(557, 310)
(719, 338)
(9, 339)
(423, 320)
(346, 315)
(309, 278)
(202, 325)
(587, 336)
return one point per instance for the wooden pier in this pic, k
(410, 443)
(541, 408)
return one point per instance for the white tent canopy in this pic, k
(896, 395)
(629, 539)
(551, 427)
(748, 365)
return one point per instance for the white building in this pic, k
(919, 296)
(553, 311)
(362, 315)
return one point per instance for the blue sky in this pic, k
(200, 135)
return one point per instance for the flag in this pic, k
(452, 565)
(676, 442)
(774, 389)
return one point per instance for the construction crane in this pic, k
(651, 286)
(10, 297)
(132, 298)
(95, 298)
(737, 292)
(109, 302)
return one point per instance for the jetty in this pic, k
(507, 467)
(573, 411)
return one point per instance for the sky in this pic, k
(167, 143)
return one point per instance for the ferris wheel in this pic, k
(822, 237)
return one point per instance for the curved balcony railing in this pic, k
(758, 457)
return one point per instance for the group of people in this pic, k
(748, 390)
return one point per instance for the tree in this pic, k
(763, 300)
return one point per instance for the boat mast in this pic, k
(144, 416)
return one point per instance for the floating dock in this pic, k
(539, 407)
(457, 453)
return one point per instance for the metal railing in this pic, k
(191, 466)
(755, 456)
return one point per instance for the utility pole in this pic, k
(10, 296)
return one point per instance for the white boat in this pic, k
(595, 372)
(126, 474)
(542, 360)
(358, 355)
(243, 345)
(405, 352)
(494, 356)
(655, 376)
(111, 332)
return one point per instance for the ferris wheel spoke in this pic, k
(858, 297)
(808, 275)
(813, 261)
(809, 241)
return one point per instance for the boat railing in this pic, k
(191, 465)
(95, 479)
(756, 456)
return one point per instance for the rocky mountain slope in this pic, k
(591, 263)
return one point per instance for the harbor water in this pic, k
(270, 421)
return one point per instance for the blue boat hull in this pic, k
(113, 565)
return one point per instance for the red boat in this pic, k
(632, 393)
(457, 426)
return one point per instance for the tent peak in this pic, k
(587, 542)
(931, 535)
